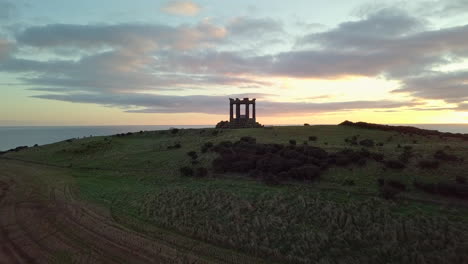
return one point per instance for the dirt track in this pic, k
(45, 224)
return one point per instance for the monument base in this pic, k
(239, 123)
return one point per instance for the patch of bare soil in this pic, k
(56, 228)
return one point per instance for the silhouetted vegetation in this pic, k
(274, 163)
(428, 164)
(444, 188)
(312, 138)
(186, 171)
(442, 155)
(175, 146)
(404, 129)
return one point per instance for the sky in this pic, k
(177, 62)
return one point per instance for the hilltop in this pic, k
(349, 193)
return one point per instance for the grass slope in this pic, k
(137, 176)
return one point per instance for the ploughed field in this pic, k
(308, 194)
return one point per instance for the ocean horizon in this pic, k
(14, 136)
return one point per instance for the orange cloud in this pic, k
(182, 8)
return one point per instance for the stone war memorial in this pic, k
(240, 120)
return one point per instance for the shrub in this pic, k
(192, 154)
(441, 155)
(367, 143)
(388, 192)
(397, 185)
(305, 173)
(348, 182)
(444, 188)
(460, 180)
(394, 164)
(428, 164)
(186, 171)
(201, 172)
(380, 181)
(270, 179)
(292, 142)
(174, 131)
(312, 138)
(250, 140)
(306, 124)
(207, 146)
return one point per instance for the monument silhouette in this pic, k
(241, 120)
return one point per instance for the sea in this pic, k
(14, 136)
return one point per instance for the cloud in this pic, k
(253, 27)
(151, 103)
(7, 10)
(451, 87)
(182, 8)
(132, 37)
(6, 48)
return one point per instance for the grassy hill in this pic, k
(340, 217)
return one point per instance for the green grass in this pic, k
(138, 176)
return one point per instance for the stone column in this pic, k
(237, 110)
(247, 110)
(231, 112)
(253, 113)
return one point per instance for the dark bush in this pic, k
(348, 182)
(388, 192)
(174, 130)
(380, 182)
(460, 180)
(444, 188)
(396, 184)
(306, 124)
(428, 164)
(305, 173)
(250, 140)
(175, 146)
(406, 155)
(292, 142)
(201, 172)
(394, 164)
(442, 155)
(270, 179)
(207, 146)
(219, 165)
(192, 154)
(312, 138)
(377, 156)
(367, 143)
(186, 171)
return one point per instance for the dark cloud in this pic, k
(253, 27)
(450, 87)
(132, 37)
(150, 103)
(372, 31)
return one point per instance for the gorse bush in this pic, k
(308, 229)
(285, 162)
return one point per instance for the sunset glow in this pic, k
(178, 62)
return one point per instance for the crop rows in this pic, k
(299, 229)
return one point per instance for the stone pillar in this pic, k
(231, 112)
(247, 110)
(237, 110)
(253, 113)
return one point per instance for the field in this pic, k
(123, 199)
